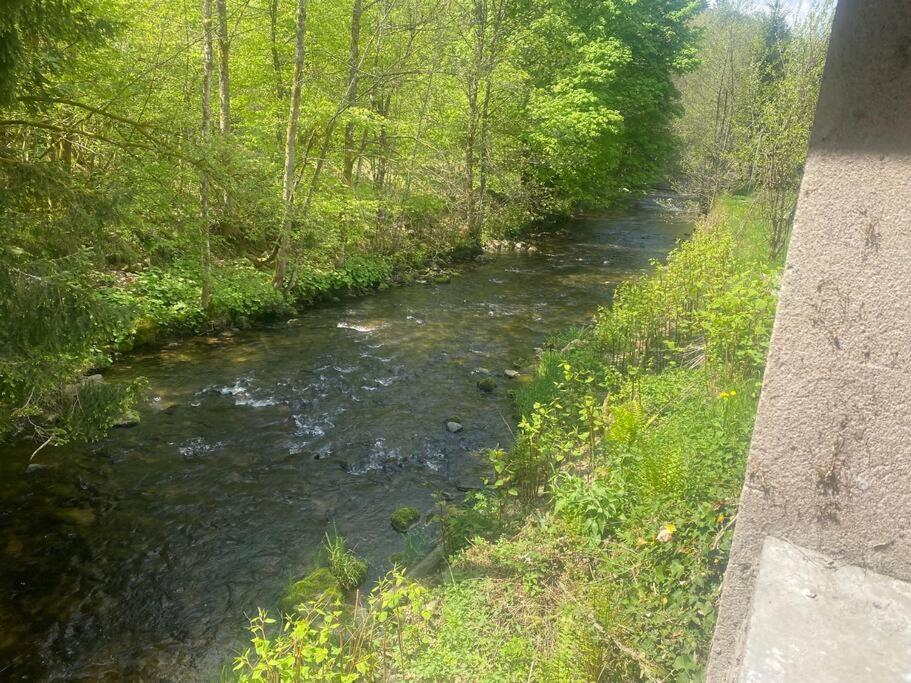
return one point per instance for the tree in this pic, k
(281, 263)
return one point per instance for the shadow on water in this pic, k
(139, 556)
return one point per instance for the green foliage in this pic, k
(476, 518)
(55, 326)
(750, 107)
(349, 570)
(329, 643)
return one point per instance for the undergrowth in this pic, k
(597, 550)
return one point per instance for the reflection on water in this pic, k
(138, 556)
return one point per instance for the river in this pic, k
(138, 557)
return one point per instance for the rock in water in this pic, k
(511, 374)
(454, 427)
(405, 518)
(487, 385)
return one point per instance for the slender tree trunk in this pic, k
(353, 69)
(479, 58)
(206, 127)
(224, 87)
(281, 262)
(224, 90)
(484, 154)
(280, 91)
(273, 42)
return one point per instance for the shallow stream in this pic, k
(138, 557)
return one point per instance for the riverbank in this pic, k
(149, 307)
(597, 551)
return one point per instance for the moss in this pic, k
(405, 518)
(146, 332)
(487, 385)
(319, 585)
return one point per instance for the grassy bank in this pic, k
(597, 551)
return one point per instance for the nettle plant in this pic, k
(339, 643)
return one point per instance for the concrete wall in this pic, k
(830, 467)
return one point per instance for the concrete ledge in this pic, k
(815, 620)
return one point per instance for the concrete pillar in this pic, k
(830, 466)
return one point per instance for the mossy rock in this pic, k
(404, 518)
(318, 586)
(487, 385)
(146, 332)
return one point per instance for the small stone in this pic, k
(809, 593)
(511, 374)
(454, 427)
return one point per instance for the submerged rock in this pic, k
(487, 385)
(512, 374)
(454, 427)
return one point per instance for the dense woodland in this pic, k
(169, 166)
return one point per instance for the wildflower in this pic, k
(724, 395)
(733, 393)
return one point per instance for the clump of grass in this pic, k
(349, 570)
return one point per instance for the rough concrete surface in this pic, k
(830, 465)
(816, 620)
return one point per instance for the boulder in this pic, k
(404, 518)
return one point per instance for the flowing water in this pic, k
(138, 557)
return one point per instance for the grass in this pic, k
(597, 551)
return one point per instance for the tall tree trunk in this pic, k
(475, 77)
(224, 91)
(280, 91)
(224, 86)
(281, 262)
(353, 69)
(206, 127)
(484, 156)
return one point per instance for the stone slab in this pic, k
(816, 620)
